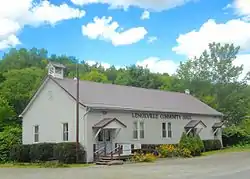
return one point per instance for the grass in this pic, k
(245, 148)
(42, 165)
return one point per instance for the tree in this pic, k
(94, 75)
(6, 113)
(138, 77)
(20, 85)
(10, 137)
(215, 80)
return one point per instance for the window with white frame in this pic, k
(141, 130)
(164, 130)
(138, 130)
(135, 130)
(169, 130)
(65, 132)
(36, 133)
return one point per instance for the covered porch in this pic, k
(194, 127)
(105, 138)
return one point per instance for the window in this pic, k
(164, 131)
(169, 130)
(100, 136)
(107, 135)
(215, 132)
(141, 130)
(36, 133)
(65, 132)
(58, 70)
(135, 131)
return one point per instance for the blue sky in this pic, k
(60, 29)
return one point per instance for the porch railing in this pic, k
(116, 150)
(98, 153)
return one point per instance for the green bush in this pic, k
(9, 137)
(20, 153)
(193, 143)
(210, 145)
(235, 135)
(185, 153)
(66, 153)
(167, 150)
(61, 152)
(41, 152)
(141, 157)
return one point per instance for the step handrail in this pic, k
(98, 152)
(114, 151)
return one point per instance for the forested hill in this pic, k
(212, 78)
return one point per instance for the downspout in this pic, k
(85, 137)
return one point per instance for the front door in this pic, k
(105, 140)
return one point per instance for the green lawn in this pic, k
(231, 149)
(41, 165)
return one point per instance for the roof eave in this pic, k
(147, 110)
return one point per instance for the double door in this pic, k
(104, 140)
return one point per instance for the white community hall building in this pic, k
(112, 115)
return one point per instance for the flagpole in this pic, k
(77, 112)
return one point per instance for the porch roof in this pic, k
(218, 125)
(107, 121)
(194, 123)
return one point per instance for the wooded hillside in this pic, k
(212, 78)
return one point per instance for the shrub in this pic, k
(210, 145)
(235, 135)
(193, 143)
(140, 157)
(66, 153)
(186, 153)
(9, 137)
(20, 153)
(41, 152)
(167, 150)
(62, 152)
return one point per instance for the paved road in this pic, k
(223, 166)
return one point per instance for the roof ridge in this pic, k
(127, 86)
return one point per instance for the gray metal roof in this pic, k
(218, 125)
(107, 121)
(109, 96)
(194, 123)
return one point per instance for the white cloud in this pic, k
(154, 64)
(92, 62)
(106, 29)
(234, 31)
(156, 5)
(228, 6)
(157, 65)
(195, 42)
(151, 39)
(242, 7)
(244, 60)
(11, 41)
(16, 14)
(145, 15)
